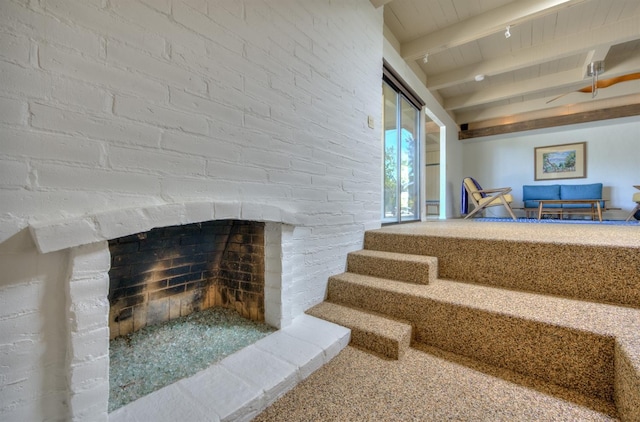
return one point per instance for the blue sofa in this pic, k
(532, 194)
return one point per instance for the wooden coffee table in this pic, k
(595, 206)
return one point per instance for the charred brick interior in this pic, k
(169, 272)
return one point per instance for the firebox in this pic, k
(170, 272)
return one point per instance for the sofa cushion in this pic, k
(531, 194)
(589, 191)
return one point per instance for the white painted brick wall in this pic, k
(87, 16)
(106, 105)
(46, 28)
(141, 110)
(13, 111)
(194, 104)
(26, 82)
(80, 96)
(32, 345)
(84, 125)
(59, 62)
(160, 69)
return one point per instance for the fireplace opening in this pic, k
(182, 298)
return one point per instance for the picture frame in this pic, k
(565, 161)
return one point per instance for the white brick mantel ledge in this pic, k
(50, 236)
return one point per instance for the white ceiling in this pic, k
(551, 44)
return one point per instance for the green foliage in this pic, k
(390, 180)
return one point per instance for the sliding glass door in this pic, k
(401, 197)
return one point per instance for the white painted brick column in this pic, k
(88, 312)
(278, 245)
(289, 247)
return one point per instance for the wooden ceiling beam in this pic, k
(613, 96)
(562, 120)
(561, 80)
(514, 89)
(481, 26)
(599, 39)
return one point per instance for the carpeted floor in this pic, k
(593, 233)
(631, 222)
(359, 386)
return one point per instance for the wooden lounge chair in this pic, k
(484, 198)
(636, 199)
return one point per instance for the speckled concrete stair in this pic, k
(607, 274)
(553, 310)
(396, 266)
(565, 342)
(384, 336)
(381, 335)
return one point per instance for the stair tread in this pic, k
(365, 321)
(590, 263)
(598, 318)
(394, 255)
(378, 334)
(480, 322)
(420, 269)
(619, 236)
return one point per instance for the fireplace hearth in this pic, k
(159, 355)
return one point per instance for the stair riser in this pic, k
(627, 387)
(581, 361)
(401, 270)
(385, 347)
(596, 273)
(374, 333)
(573, 359)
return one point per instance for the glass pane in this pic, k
(409, 195)
(390, 182)
(432, 161)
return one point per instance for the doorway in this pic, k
(432, 168)
(401, 173)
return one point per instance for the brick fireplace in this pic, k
(86, 241)
(170, 272)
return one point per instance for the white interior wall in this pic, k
(613, 159)
(106, 105)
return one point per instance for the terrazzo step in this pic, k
(395, 266)
(585, 271)
(566, 342)
(377, 334)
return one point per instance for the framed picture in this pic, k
(567, 161)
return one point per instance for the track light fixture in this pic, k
(425, 59)
(594, 69)
(507, 33)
